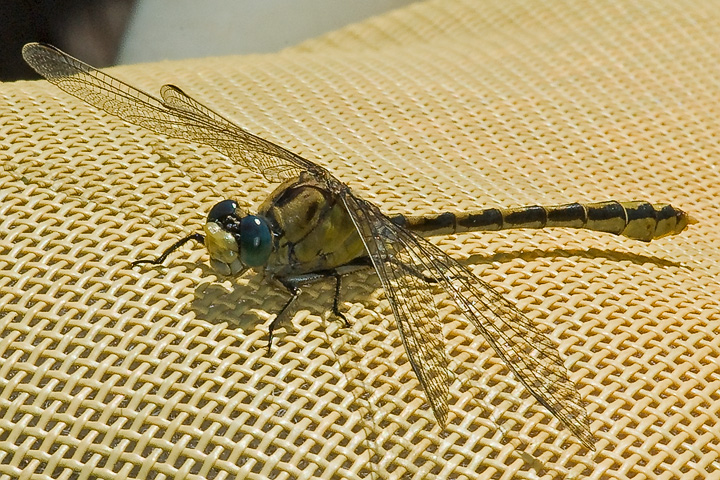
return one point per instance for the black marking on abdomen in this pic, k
(442, 223)
(598, 212)
(490, 219)
(666, 212)
(606, 217)
(527, 217)
(642, 210)
(569, 214)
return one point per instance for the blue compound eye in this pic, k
(221, 210)
(255, 241)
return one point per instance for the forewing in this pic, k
(531, 355)
(176, 115)
(394, 255)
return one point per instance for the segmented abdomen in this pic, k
(638, 220)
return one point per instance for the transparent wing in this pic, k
(176, 114)
(406, 264)
(410, 294)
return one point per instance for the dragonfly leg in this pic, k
(198, 237)
(294, 290)
(292, 285)
(354, 266)
(336, 299)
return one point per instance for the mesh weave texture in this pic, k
(112, 372)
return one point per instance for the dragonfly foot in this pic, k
(341, 316)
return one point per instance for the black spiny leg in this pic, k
(336, 299)
(292, 286)
(198, 237)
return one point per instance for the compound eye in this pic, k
(255, 241)
(222, 210)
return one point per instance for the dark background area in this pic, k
(87, 29)
(109, 32)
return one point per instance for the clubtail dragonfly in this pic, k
(313, 225)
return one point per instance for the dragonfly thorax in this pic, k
(236, 242)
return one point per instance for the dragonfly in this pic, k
(313, 227)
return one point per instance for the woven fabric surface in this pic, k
(108, 371)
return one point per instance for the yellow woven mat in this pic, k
(112, 372)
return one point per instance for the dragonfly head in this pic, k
(235, 241)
